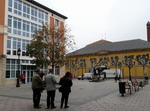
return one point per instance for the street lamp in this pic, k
(18, 72)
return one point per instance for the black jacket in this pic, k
(66, 84)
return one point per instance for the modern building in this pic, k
(18, 21)
(132, 57)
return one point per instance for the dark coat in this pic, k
(66, 84)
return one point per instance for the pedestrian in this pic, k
(66, 83)
(116, 76)
(105, 78)
(23, 79)
(37, 87)
(50, 82)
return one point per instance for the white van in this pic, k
(86, 76)
(110, 73)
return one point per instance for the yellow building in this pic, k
(131, 57)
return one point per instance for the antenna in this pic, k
(105, 35)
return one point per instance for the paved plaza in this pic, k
(85, 96)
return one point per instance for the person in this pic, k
(37, 87)
(66, 83)
(23, 79)
(116, 76)
(105, 78)
(50, 82)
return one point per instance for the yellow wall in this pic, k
(136, 70)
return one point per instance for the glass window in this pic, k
(17, 7)
(14, 52)
(8, 61)
(13, 74)
(9, 52)
(9, 21)
(8, 43)
(57, 70)
(7, 74)
(13, 61)
(56, 23)
(8, 67)
(15, 22)
(14, 44)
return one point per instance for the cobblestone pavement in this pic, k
(85, 96)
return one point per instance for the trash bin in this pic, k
(122, 88)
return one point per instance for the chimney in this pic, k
(148, 31)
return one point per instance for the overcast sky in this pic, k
(112, 20)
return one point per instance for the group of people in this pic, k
(50, 85)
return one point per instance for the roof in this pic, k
(128, 45)
(46, 8)
(99, 42)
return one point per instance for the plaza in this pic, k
(85, 96)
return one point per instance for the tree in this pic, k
(50, 45)
(143, 60)
(129, 63)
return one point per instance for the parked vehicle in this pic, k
(88, 76)
(110, 73)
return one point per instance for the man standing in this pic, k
(51, 89)
(37, 88)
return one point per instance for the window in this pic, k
(57, 70)
(10, 5)
(56, 23)
(9, 43)
(11, 68)
(9, 24)
(17, 26)
(34, 13)
(17, 7)
(26, 10)
(26, 28)
(33, 28)
(8, 74)
(82, 63)
(93, 62)
(9, 52)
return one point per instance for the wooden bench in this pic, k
(128, 86)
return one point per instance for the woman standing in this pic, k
(66, 83)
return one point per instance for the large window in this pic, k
(26, 28)
(34, 13)
(22, 9)
(17, 24)
(22, 27)
(11, 68)
(10, 5)
(10, 24)
(26, 10)
(14, 43)
(18, 7)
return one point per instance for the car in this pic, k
(88, 76)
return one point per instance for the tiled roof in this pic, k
(46, 8)
(129, 45)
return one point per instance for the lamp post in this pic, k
(18, 72)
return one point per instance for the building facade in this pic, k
(131, 57)
(18, 21)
